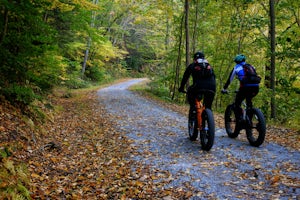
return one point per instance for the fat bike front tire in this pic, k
(256, 129)
(230, 122)
(207, 134)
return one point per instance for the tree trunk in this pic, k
(195, 28)
(177, 69)
(86, 55)
(167, 38)
(273, 43)
(187, 36)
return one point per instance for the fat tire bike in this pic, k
(253, 121)
(201, 122)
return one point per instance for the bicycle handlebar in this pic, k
(227, 92)
(224, 92)
(202, 90)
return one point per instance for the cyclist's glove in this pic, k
(223, 91)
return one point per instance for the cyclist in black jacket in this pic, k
(204, 81)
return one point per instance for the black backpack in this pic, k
(250, 75)
(203, 70)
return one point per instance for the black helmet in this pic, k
(198, 54)
(240, 58)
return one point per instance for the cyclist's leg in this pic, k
(252, 92)
(240, 96)
(191, 99)
(208, 99)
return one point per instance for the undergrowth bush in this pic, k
(20, 94)
(160, 90)
(76, 83)
(95, 74)
(288, 106)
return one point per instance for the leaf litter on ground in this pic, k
(79, 155)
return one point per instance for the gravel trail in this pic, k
(232, 169)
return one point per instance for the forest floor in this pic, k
(77, 153)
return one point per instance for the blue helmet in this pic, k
(240, 58)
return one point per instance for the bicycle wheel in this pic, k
(207, 134)
(193, 127)
(230, 122)
(256, 128)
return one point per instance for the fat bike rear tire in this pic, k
(256, 129)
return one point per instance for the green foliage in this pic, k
(95, 74)
(288, 112)
(158, 88)
(24, 39)
(4, 153)
(76, 83)
(139, 51)
(43, 82)
(19, 94)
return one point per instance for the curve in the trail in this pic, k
(231, 170)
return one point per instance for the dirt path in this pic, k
(231, 170)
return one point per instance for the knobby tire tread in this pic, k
(256, 142)
(193, 130)
(229, 112)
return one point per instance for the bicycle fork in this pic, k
(199, 114)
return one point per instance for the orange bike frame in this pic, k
(199, 109)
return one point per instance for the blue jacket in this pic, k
(239, 73)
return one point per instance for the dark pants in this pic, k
(244, 93)
(207, 95)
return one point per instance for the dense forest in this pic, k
(76, 43)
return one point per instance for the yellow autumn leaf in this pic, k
(34, 175)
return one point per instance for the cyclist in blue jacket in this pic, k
(246, 91)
